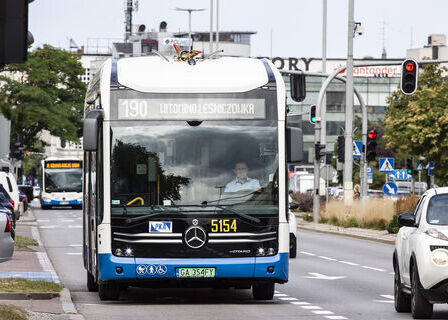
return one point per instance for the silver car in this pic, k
(6, 236)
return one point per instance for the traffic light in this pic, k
(341, 149)
(319, 151)
(14, 35)
(298, 87)
(313, 118)
(371, 145)
(409, 166)
(328, 157)
(16, 149)
(409, 76)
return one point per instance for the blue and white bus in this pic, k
(185, 175)
(61, 183)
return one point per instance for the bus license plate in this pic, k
(195, 272)
(64, 202)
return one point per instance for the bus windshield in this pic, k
(173, 164)
(63, 180)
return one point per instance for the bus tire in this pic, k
(92, 286)
(108, 291)
(263, 290)
(44, 207)
(292, 246)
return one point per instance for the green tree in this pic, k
(417, 125)
(45, 93)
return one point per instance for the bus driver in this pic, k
(242, 181)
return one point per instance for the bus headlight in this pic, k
(119, 252)
(129, 252)
(440, 257)
(261, 252)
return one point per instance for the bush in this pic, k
(351, 223)
(307, 217)
(393, 226)
(305, 201)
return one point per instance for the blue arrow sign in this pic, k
(387, 165)
(400, 174)
(431, 165)
(430, 174)
(357, 147)
(419, 166)
(390, 189)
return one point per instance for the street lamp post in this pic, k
(189, 18)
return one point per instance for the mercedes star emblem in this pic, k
(195, 237)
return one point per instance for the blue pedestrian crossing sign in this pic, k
(357, 147)
(390, 189)
(419, 166)
(387, 165)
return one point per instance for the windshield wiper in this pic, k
(153, 213)
(223, 208)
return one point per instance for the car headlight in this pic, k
(436, 234)
(440, 257)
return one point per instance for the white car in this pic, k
(7, 235)
(10, 185)
(421, 255)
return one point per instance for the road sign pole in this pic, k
(326, 190)
(419, 181)
(413, 185)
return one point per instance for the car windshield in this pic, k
(437, 212)
(177, 166)
(63, 180)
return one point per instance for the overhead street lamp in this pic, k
(189, 10)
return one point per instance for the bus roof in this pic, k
(226, 74)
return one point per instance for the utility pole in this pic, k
(211, 26)
(217, 25)
(348, 164)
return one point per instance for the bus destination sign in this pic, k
(62, 165)
(191, 109)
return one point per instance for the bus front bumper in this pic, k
(113, 268)
(62, 203)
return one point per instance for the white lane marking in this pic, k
(372, 268)
(383, 301)
(280, 295)
(68, 220)
(335, 317)
(75, 245)
(307, 253)
(276, 291)
(300, 303)
(74, 253)
(74, 226)
(43, 220)
(319, 276)
(322, 312)
(48, 227)
(392, 273)
(288, 299)
(311, 307)
(349, 263)
(387, 296)
(326, 258)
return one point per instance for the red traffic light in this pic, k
(372, 134)
(410, 67)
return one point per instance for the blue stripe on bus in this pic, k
(58, 202)
(225, 267)
(271, 76)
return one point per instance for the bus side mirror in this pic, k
(298, 87)
(294, 145)
(91, 126)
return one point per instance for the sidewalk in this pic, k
(32, 263)
(366, 234)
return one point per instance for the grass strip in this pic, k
(26, 241)
(10, 312)
(23, 285)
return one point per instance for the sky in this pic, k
(296, 25)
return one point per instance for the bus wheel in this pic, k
(108, 291)
(263, 290)
(92, 286)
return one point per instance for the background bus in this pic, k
(163, 143)
(61, 183)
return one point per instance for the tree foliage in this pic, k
(45, 93)
(417, 125)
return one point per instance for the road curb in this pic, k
(28, 295)
(346, 234)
